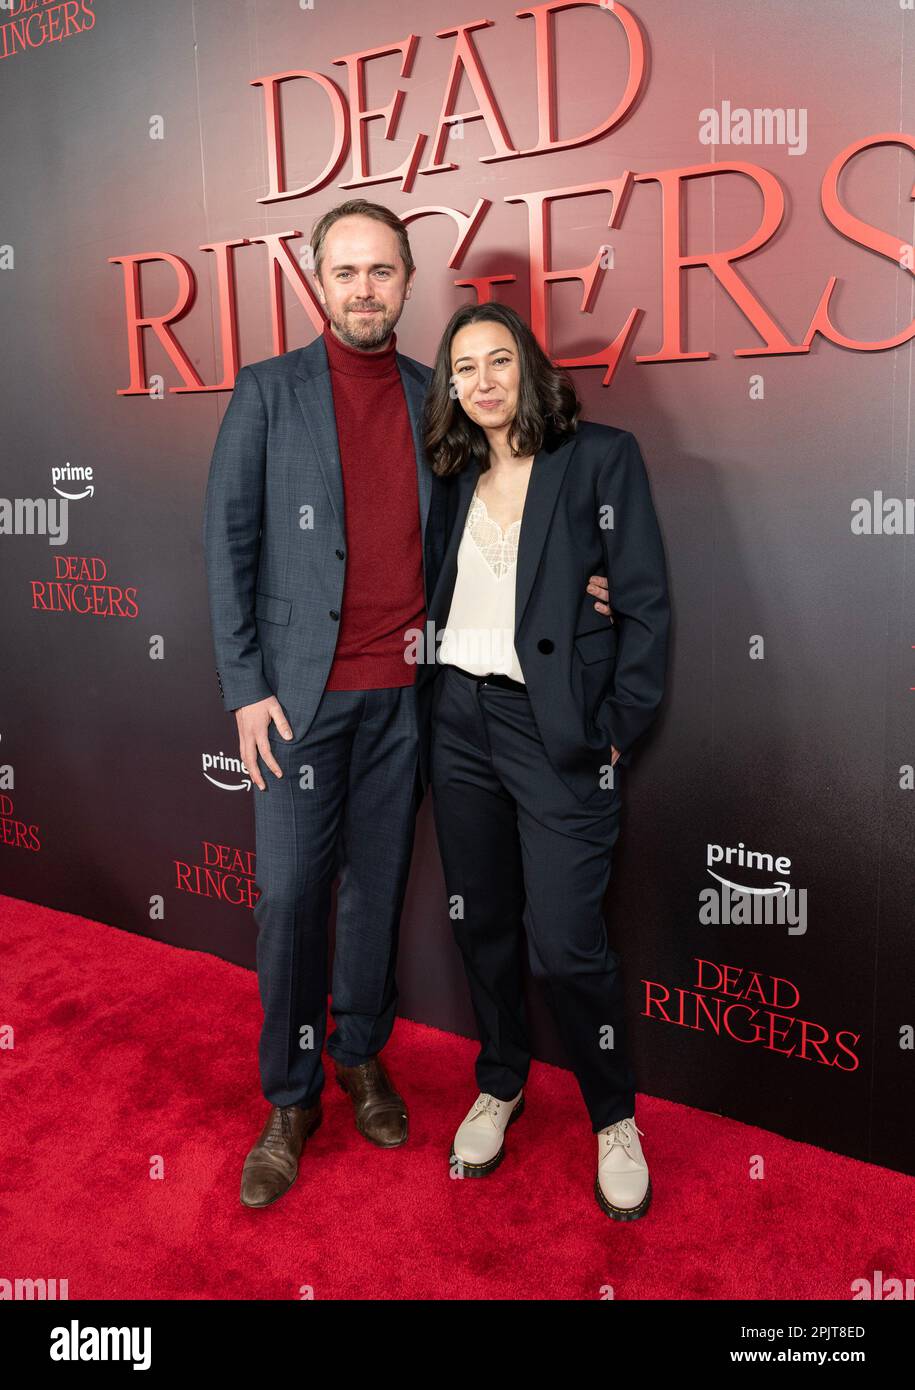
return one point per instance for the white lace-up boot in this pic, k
(479, 1144)
(622, 1186)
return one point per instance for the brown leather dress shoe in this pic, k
(271, 1166)
(380, 1112)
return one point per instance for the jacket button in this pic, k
(339, 554)
(545, 646)
(335, 615)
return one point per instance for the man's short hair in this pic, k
(359, 207)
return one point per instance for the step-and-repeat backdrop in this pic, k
(705, 212)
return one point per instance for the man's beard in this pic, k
(367, 331)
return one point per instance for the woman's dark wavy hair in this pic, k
(548, 408)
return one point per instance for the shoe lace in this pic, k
(371, 1075)
(487, 1105)
(280, 1125)
(619, 1133)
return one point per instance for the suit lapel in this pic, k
(415, 391)
(547, 473)
(315, 396)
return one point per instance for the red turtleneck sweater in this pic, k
(383, 594)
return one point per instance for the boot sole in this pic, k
(260, 1206)
(622, 1213)
(481, 1170)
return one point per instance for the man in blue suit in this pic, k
(324, 534)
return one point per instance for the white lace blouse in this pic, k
(480, 631)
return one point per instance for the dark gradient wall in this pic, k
(143, 133)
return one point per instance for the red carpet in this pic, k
(126, 1049)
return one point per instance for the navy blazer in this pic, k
(275, 581)
(592, 681)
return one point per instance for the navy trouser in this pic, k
(523, 856)
(347, 800)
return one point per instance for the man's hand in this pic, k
(598, 585)
(253, 724)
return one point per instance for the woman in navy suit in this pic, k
(536, 704)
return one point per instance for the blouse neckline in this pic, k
(491, 519)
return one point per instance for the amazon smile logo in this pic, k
(76, 474)
(748, 859)
(739, 901)
(226, 773)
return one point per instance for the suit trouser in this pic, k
(347, 800)
(523, 855)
